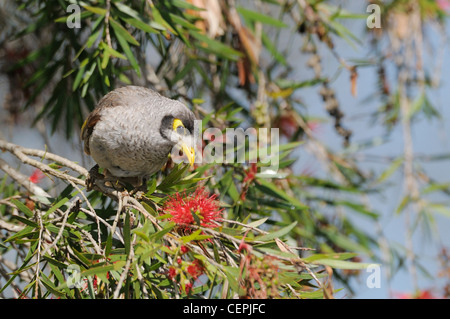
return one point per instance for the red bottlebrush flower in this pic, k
(243, 245)
(184, 249)
(188, 287)
(37, 176)
(172, 273)
(251, 173)
(195, 269)
(183, 207)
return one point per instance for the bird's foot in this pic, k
(106, 179)
(93, 176)
(140, 189)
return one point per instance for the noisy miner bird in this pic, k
(131, 133)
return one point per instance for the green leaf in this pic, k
(257, 16)
(27, 231)
(185, 5)
(290, 84)
(126, 49)
(216, 47)
(141, 25)
(111, 51)
(95, 10)
(126, 9)
(92, 38)
(56, 206)
(334, 256)
(156, 236)
(194, 236)
(174, 176)
(126, 234)
(272, 49)
(358, 208)
(101, 269)
(345, 242)
(24, 220)
(269, 188)
(277, 252)
(440, 208)
(232, 274)
(22, 207)
(258, 222)
(341, 264)
(27, 259)
(390, 170)
(277, 234)
(122, 32)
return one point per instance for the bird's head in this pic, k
(178, 128)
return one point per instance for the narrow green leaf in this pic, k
(25, 221)
(173, 177)
(22, 207)
(334, 256)
(141, 25)
(56, 206)
(277, 234)
(120, 30)
(126, 49)
(341, 264)
(194, 236)
(258, 222)
(27, 231)
(257, 16)
(111, 51)
(98, 270)
(269, 188)
(156, 236)
(390, 170)
(95, 10)
(126, 234)
(216, 47)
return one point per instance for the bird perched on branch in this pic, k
(131, 133)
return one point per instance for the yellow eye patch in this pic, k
(177, 123)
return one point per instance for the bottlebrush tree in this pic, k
(216, 230)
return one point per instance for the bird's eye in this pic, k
(181, 130)
(179, 127)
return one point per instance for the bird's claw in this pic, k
(92, 177)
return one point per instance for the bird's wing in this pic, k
(111, 99)
(88, 127)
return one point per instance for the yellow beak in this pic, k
(189, 152)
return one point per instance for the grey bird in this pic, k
(131, 132)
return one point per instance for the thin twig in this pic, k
(94, 214)
(22, 154)
(22, 179)
(107, 14)
(38, 254)
(75, 202)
